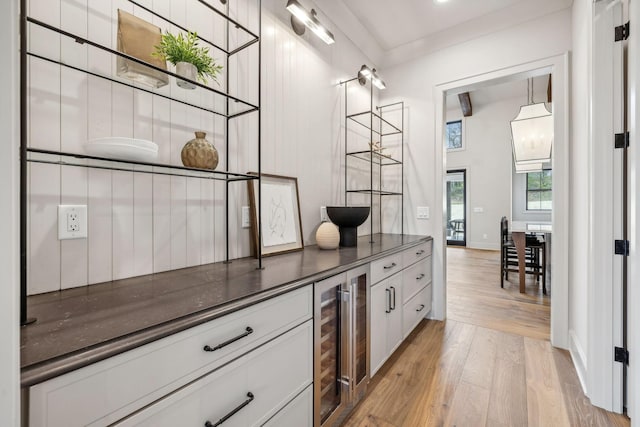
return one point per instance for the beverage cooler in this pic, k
(341, 339)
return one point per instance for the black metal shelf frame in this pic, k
(234, 107)
(374, 156)
(384, 128)
(380, 132)
(36, 155)
(248, 106)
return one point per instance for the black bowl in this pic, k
(348, 218)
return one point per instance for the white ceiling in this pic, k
(491, 93)
(392, 24)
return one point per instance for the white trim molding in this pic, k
(9, 214)
(579, 360)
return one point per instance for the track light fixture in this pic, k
(367, 73)
(301, 18)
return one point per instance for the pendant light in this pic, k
(532, 132)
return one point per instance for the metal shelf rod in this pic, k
(82, 40)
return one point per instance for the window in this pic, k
(539, 191)
(454, 135)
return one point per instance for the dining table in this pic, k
(519, 230)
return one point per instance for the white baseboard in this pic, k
(483, 245)
(579, 360)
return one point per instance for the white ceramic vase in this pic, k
(188, 71)
(327, 236)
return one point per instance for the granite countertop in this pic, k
(77, 327)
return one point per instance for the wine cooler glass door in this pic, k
(329, 389)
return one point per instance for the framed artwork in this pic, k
(280, 216)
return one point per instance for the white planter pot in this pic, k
(188, 71)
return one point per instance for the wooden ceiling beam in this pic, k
(465, 104)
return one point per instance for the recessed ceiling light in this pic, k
(440, 1)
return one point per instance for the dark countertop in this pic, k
(77, 327)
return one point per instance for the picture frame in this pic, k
(281, 220)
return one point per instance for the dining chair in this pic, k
(535, 256)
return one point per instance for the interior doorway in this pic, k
(456, 207)
(558, 67)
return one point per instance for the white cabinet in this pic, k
(414, 310)
(386, 320)
(398, 301)
(298, 413)
(109, 390)
(247, 392)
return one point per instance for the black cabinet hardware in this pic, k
(250, 397)
(421, 307)
(420, 252)
(387, 309)
(394, 297)
(389, 267)
(247, 332)
(420, 277)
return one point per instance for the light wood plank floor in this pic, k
(489, 364)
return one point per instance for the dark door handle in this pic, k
(394, 298)
(421, 307)
(248, 331)
(420, 277)
(387, 309)
(250, 397)
(390, 266)
(420, 252)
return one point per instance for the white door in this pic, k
(605, 376)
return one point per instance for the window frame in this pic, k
(538, 190)
(462, 144)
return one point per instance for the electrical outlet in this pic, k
(422, 212)
(478, 210)
(72, 222)
(246, 223)
(323, 214)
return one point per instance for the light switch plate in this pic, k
(422, 212)
(72, 222)
(478, 210)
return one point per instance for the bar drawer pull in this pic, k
(420, 277)
(387, 309)
(421, 307)
(420, 252)
(394, 297)
(248, 331)
(389, 267)
(250, 397)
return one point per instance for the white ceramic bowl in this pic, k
(122, 148)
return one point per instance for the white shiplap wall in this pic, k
(140, 223)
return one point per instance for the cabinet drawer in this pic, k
(415, 278)
(416, 253)
(247, 392)
(298, 413)
(385, 267)
(113, 388)
(415, 310)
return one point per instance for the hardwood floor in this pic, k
(489, 364)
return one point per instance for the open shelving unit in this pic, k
(219, 102)
(374, 122)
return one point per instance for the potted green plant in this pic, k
(192, 61)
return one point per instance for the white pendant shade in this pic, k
(528, 167)
(532, 134)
